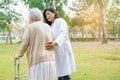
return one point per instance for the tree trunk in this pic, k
(82, 33)
(9, 34)
(119, 32)
(99, 31)
(114, 31)
(9, 37)
(101, 22)
(52, 3)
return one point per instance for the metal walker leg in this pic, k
(16, 69)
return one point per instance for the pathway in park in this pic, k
(109, 45)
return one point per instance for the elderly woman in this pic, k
(41, 62)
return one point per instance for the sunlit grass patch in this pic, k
(94, 61)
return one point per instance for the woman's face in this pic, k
(50, 16)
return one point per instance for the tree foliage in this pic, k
(113, 20)
(43, 4)
(7, 15)
(85, 12)
(88, 13)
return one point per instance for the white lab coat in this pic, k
(65, 63)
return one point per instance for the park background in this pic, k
(94, 31)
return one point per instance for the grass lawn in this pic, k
(94, 61)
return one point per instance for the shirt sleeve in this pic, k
(25, 43)
(63, 33)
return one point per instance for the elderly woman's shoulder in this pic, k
(42, 24)
(45, 24)
(30, 25)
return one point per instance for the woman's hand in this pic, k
(50, 46)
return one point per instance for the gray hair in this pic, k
(35, 14)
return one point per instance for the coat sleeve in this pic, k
(62, 32)
(25, 43)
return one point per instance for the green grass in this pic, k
(93, 61)
(7, 53)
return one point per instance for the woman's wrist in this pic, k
(55, 43)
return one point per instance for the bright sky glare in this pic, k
(20, 8)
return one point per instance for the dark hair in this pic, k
(51, 10)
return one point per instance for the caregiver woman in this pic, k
(65, 64)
